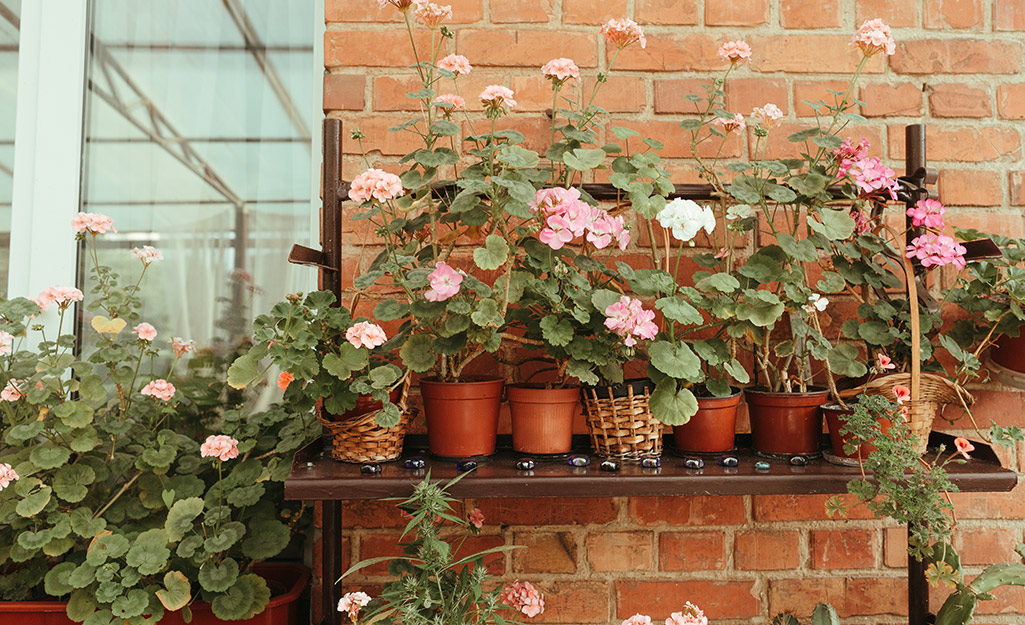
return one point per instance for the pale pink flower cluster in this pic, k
(523, 597)
(629, 319)
(402, 5)
(12, 392)
(928, 213)
(219, 446)
(93, 223)
(147, 254)
(181, 347)
(638, 619)
(456, 63)
(445, 282)
(145, 331)
(566, 217)
(432, 15)
(624, 32)
(6, 342)
(733, 124)
(735, 51)
(848, 154)
(937, 249)
(874, 37)
(457, 102)
(159, 389)
(7, 475)
(476, 518)
(497, 96)
(366, 334)
(768, 116)
(352, 603)
(377, 184)
(690, 615)
(560, 70)
(871, 176)
(63, 296)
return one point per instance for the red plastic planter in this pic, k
(282, 609)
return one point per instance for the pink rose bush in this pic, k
(219, 446)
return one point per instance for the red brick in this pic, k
(886, 100)
(970, 187)
(590, 12)
(895, 547)
(744, 94)
(378, 137)
(525, 48)
(844, 549)
(545, 552)
(670, 95)
(959, 100)
(804, 54)
(985, 546)
(1017, 182)
(371, 514)
(800, 508)
(956, 56)
(674, 12)
(619, 94)
(850, 596)
(382, 545)
(364, 48)
(673, 53)
(343, 92)
(875, 595)
(687, 510)
(765, 550)
(778, 145)
(691, 551)
(574, 602)
(896, 13)
(1004, 506)
(719, 599)
(390, 93)
(969, 144)
(620, 551)
(1007, 15)
(534, 93)
(463, 12)
(1011, 100)
(677, 142)
(810, 13)
(568, 511)
(518, 11)
(943, 14)
(736, 12)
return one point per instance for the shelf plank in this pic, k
(315, 476)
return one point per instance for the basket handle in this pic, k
(916, 330)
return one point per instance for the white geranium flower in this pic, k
(815, 302)
(739, 211)
(686, 218)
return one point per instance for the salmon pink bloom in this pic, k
(884, 362)
(937, 250)
(284, 379)
(365, 334)
(63, 296)
(12, 392)
(147, 254)
(964, 446)
(560, 70)
(496, 96)
(928, 213)
(377, 184)
(93, 223)
(6, 342)
(159, 389)
(733, 124)
(432, 15)
(7, 475)
(735, 52)
(902, 393)
(622, 33)
(874, 37)
(145, 331)
(456, 103)
(181, 347)
(476, 518)
(445, 283)
(690, 615)
(219, 446)
(638, 619)
(352, 603)
(456, 63)
(871, 176)
(523, 597)
(768, 116)
(402, 5)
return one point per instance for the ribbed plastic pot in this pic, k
(712, 428)
(462, 417)
(542, 418)
(786, 423)
(835, 422)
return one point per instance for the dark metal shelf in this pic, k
(315, 476)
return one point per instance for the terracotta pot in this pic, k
(365, 404)
(462, 417)
(835, 421)
(712, 428)
(786, 423)
(283, 608)
(542, 418)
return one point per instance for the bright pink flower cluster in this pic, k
(523, 597)
(219, 446)
(445, 282)
(366, 334)
(6, 342)
(735, 51)
(928, 213)
(12, 392)
(432, 15)
(147, 254)
(457, 102)
(63, 296)
(733, 124)
(560, 70)
(145, 331)
(93, 223)
(874, 37)
(629, 319)
(159, 389)
(566, 217)
(7, 475)
(848, 154)
(768, 116)
(871, 176)
(456, 63)
(352, 603)
(937, 249)
(690, 615)
(497, 96)
(476, 518)
(624, 32)
(181, 347)
(377, 184)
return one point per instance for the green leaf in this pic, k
(761, 308)
(244, 371)
(831, 282)
(348, 360)
(26, 431)
(84, 525)
(676, 309)
(518, 157)
(603, 298)
(558, 332)
(177, 591)
(33, 504)
(803, 250)
(417, 353)
(214, 577)
(622, 133)
(131, 604)
(876, 333)
(843, 360)
(247, 597)
(267, 538)
(181, 517)
(677, 361)
(82, 576)
(836, 225)
(56, 579)
(722, 282)
(672, 406)
(830, 142)
(148, 557)
(81, 606)
(49, 456)
(487, 314)
(737, 371)
(106, 545)
(803, 135)
(444, 128)
(493, 255)
(582, 160)
(390, 309)
(70, 482)
(34, 541)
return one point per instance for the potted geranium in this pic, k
(121, 496)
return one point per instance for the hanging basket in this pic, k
(360, 440)
(620, 423)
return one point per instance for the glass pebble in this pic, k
(651, 462)
(729, 461)
(466, 465)
(416, 462)
(524, 464)
(694, 463)
(370, 469)
(762, 466)
(609, 465)
(579, 461)
(798, 461)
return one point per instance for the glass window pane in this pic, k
(10, 12)
(198, 143)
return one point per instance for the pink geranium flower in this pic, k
(630, 320)
(638, 619)
(557, 233)
(181, 347)
(445, 282)
(690, 615)
(552, 201)
(284, 379)
(377, 184)
(928, 213)
(402, 5)
(964, 446)
(456, 103)
(219, 446)
(12, 392)
(624, 32)
(497, 96)
(432, 15)
(848, 153)
(733, 124)
(147, 254)
(93, 223)
(366, 334)
(884, 362)
(352, 603)
(63, 296)
(735, 52)
(871, 176)
(7, 475)
(874, 37)
(456, 63)
(476, 518)
(902, 393)
(768, 116)
(159, 389)
(6, 342)
(523, 597)
(560, 70)
(145, 331)
(932, 249)
(605, 228)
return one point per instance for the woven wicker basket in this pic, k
(359, 439)
(622, 427)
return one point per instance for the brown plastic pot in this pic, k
(712, 428)
(786, 423)
(1009, 352)
(542, 418)
(835, 421)
(462, 417)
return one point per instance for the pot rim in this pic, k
(736, 391)
(477, 380)
(761, 390)
(540, 386)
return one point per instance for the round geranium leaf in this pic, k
(56, 581)
(33, 541)
(148, 557)
(34, 503)
(229, 534)
(81, 606)
(106, 545)
(267, 538)
(82, 576)
(49, 456)
(218, 577)
(181, 516)
(177, 591)
(71, 482)
(131, 604)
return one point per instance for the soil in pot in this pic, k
(462, 417)
(542, 418)
(834, 414)
(786, 423)
(712, 428)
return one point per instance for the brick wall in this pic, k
(959, 67)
